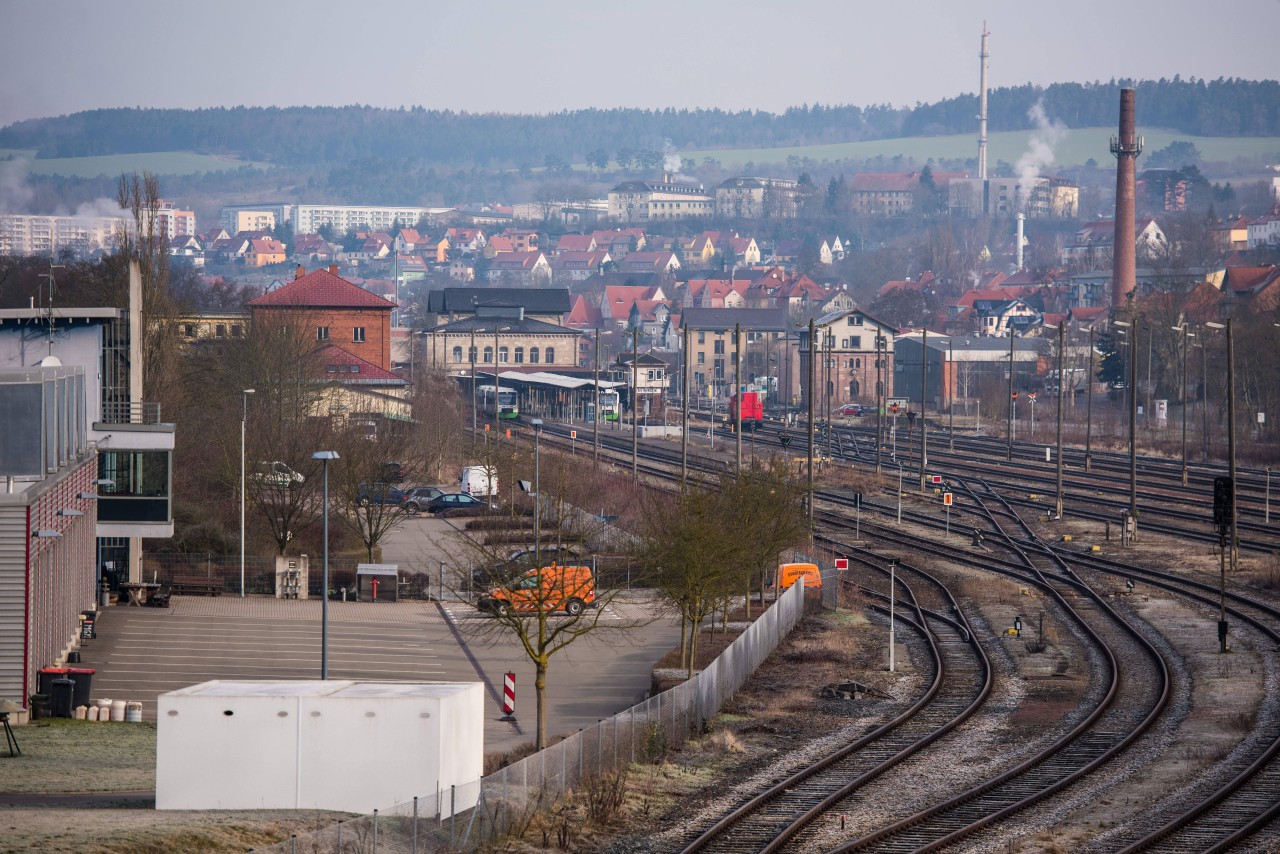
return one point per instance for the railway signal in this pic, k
(1222, 501)
(946, 502)
(842, 564)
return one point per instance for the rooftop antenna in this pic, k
(48, 311)
(982, 105)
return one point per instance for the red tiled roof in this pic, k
(321, 289)
(1246, 280)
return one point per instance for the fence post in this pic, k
(453, 802)
(581, 739)
(375, 832)
(599, 748)
(293, 843)
(415, 824)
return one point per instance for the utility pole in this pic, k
(473, 383)
(1062, 345)
(924, 375)
(1183, 329)
(812, 367)
(950, 376)
(880, 360)
(1088, 418)
(1011, 398)
(1133, 422)
(635, 401)
(737, 390)
(595, 421)
(684, 417)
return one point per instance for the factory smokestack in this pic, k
(982, 105)
(1022, 219)
(1126, 148)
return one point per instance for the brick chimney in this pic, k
(299, 272)
(333, 268)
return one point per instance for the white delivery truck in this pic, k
(480, 481)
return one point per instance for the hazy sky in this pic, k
(62, 56)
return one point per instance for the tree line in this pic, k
(294, 136)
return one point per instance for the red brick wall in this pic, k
(341, 322)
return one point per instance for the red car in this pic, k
(852, 410)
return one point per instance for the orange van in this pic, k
(552, 588)
(789, 572)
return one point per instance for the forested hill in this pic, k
(309, 135)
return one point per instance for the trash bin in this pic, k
(83, 677)
(44, 679)
(63, 691)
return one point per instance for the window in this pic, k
(471, 354)
(357, 335)
(702, 358)
(719, 347)
(503, 354)
(457, 355)
(857, 364)
(488, 354)
(550, 355)
(220, 330)
(533, 355)
(702, 337)
(519, 355)
(855, 343)
(331, 369)
(322, 333)
(650, 376)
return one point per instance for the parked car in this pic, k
(853, 410)
(277, 474)
(458, 504)
(553, 588)
(416, 498)
(479, 480)
(379, 493)
(520, 562)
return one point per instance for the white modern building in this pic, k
(29, 234)
(307, 219)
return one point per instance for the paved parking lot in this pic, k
(141, 653)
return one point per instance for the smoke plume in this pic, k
(1039, 154)
(15, 195)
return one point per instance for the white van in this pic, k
(480, 481)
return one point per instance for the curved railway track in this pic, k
(961, 680)
(1246, 800)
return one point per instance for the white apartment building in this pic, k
(29, 234)
(643, 201)
(307, 219)
(171, 222)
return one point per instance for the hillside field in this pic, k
(111, 165)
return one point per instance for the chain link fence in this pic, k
(507, 800)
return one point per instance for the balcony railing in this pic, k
(144, 412)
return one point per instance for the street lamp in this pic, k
(536, 424)
(324, 457)
(1088, 418)
(244, 416)
(924, 373)
(1062, 345)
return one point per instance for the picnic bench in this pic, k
(199, 585)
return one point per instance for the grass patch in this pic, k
(1075, 149)
(62, 755)
(156, 162)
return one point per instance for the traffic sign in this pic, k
(937, 478)
(946, 498)
(900, 402)
(842, 563)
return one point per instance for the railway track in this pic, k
(1237, 806)
(960, 681)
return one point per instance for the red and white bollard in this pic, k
(509, 698)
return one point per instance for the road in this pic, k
(143, 652)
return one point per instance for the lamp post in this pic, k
(324, 457)
(244, 417)
(497, 386)
(1204, 401)
(536, 424)
(684, 409)
(595, 390)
